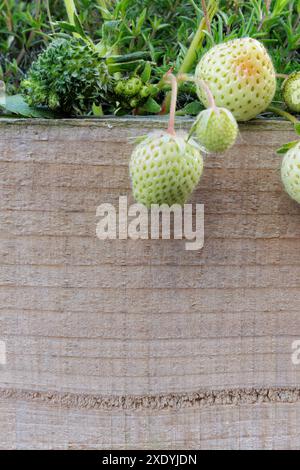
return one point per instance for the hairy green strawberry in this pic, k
(165, 169)
(240, 75)
(290, 172)
(216, 129)
(68, 76)
(291, 92)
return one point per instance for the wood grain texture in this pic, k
(248, 426)
(128, 320)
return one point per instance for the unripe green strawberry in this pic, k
(291, 92)
(165, 169)
(216, 129)
(290, 172)
(240, 75)
(133, 86)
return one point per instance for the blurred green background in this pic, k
(164, 27)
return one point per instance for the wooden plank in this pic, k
(247, 426)
(96, 153)
(143, 327)
(139, 323)
(158, 277)
(99, 177)
(147, 300)
(99, 366)
(82, 251)
(83, 224)
(83, 200)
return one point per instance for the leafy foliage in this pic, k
(72, 77)
(68, 76)
(165, 28)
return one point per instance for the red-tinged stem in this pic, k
(268, 5)
(173, 80)
(206, 16)
(211, 100)
(281, 75)
(210, 96)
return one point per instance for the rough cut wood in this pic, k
(141, 344)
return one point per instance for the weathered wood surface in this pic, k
(104, 337)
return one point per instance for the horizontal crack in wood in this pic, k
(171, 401)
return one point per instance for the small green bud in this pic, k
(291, 92)
(134, 102)
(120, 87)
(133, 86)
(53, 101)
(216, 129)
(290, 172)
(145, 92)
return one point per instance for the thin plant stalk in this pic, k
(9, 18)
(282, 113)
(31, 35)
(71, 10)
(196, 44)
(202, 83)
(281, 75)
(210, 96)
(174, 84)
(206, 16)
(49, 16)
(103, 4)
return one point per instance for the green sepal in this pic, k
(297, 128)
(286, 147)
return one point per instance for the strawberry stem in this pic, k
(281, 75)
(173, 80)
(190, 78)
(195, 46)
(206, 16)
(210, 96)
(284, 114)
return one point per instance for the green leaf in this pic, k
(140, 21)
(193, 109)
(65, 26)
(97, 110)
(146, 75)
(79, 27)
(151, 106)
(16, 105)
(286, 147)
(297, 128)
